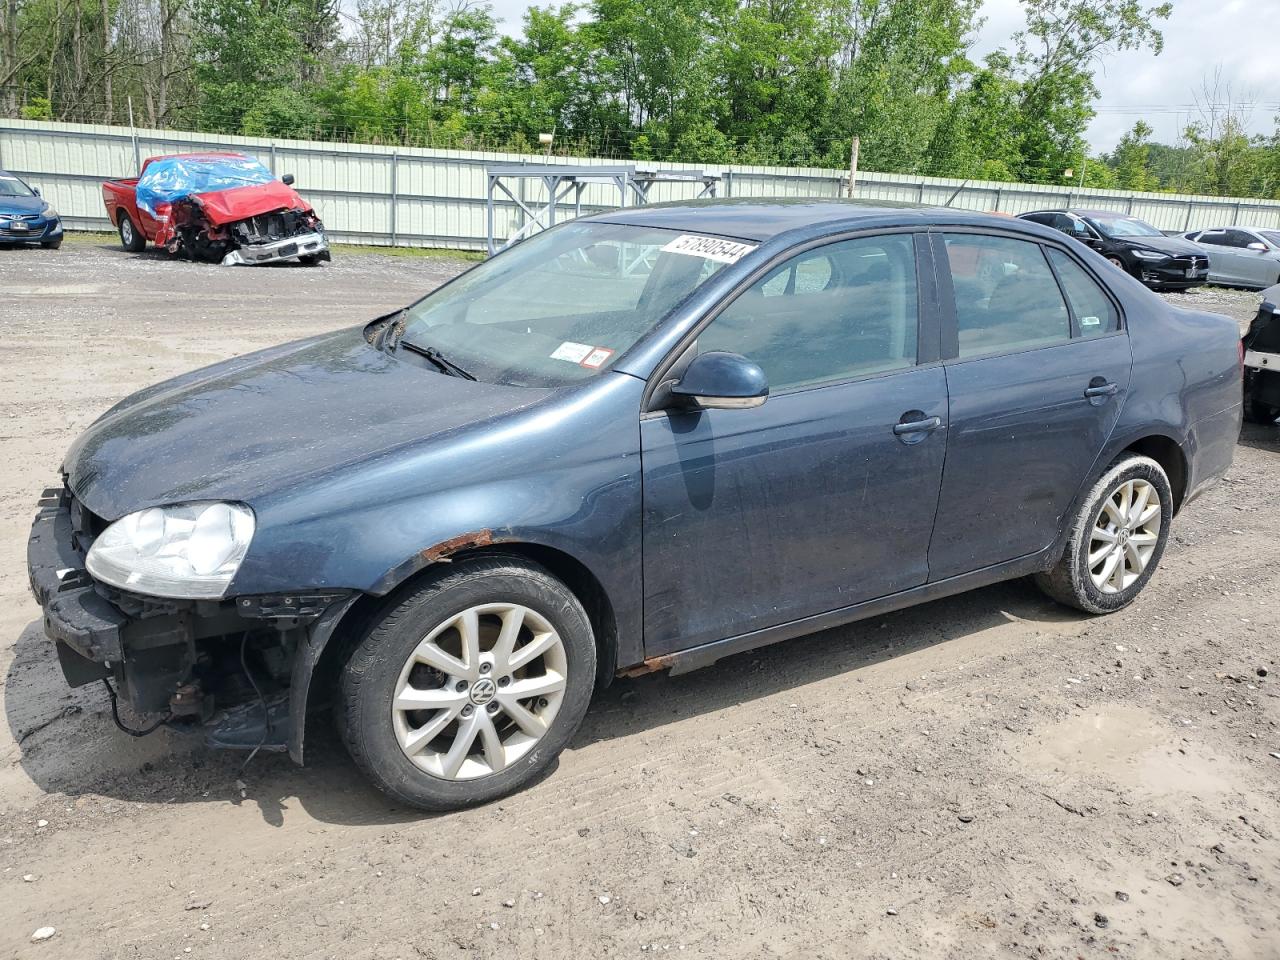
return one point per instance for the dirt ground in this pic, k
(985, 776)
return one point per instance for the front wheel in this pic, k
(1116, 538)
(469, 685)
(51, 244)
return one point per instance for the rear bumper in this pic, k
(304, 245)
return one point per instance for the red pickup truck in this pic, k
(218, 207)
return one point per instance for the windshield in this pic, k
(1271, 236)
(564, 305)
(11, 186)
(1124, 227)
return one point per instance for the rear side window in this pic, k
(1094, 313)
(1006, 296)
(844, 310)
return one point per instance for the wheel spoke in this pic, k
(494, 752)
(468, 627)
(1136, 561)
(1141, 497)
(1152, 512)
(1113, 512)
(419, 738)
(1102, 553)
(540, 644)
(1117, 572)
(512, 621)
(534, 687)
(1144, 539)
(525, 719)
(429, 652)
(462, 741)
(411, 698)
(1108, 568)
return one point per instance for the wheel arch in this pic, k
(314, 675)
(1167, 452)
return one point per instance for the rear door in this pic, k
(1037, 364)
(825, 495)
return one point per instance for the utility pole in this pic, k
(853, 165)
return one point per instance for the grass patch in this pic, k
(411, 252)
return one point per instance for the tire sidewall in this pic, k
(382, 655)
(1131, 468)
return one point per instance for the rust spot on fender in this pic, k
(442, 551)
(652, 665)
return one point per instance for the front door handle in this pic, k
(1099, 387)
(918, 427)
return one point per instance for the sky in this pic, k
(1238, 36)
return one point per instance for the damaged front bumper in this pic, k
(314, 244)
(227, 669)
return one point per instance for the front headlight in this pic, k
(48, 211)
(188, 551)
(1149, 254)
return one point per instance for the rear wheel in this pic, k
(470, 685)
(1116, 538)
(130, 238)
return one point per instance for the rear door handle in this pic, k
(1100, 388)
(923, 425)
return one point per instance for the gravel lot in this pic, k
(989, 775)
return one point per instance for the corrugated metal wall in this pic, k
(417, 197)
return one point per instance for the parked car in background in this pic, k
(642, 440)
(1133, 245)
(25, 217)
(1262, 360)
(1240, 256)
(217, 207)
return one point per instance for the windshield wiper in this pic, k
(439, 359)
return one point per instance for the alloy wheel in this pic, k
(479, 691)
(126, 231)
(1124, 536)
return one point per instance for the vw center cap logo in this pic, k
(482, 691)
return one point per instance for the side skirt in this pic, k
(682, 661)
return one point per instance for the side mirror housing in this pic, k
(287, 179)
(1260, 247)
(721, 381)
(36, 191)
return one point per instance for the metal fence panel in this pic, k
(412, 196)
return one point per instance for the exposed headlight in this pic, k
(48, 211)
(189, 551)
(1149, 254)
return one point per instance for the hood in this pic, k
(1177, 246)
(237, 203)
(23, 205)
(245, 428)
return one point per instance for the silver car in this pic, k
(1241, 256)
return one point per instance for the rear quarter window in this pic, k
(1094, 313)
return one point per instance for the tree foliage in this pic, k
(707, 81)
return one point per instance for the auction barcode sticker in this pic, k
(709, 248)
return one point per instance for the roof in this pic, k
(759, 219)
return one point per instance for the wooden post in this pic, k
(853, 165)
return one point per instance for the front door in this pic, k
(1038, 372)
(825, 495)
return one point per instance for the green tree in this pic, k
(1131, 160)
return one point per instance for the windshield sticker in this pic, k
(573, 352)
(1090, 321)
(596, 358)
(709, 248)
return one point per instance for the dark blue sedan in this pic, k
(25, 217)
(642, 440)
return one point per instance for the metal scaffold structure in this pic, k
(564, 184)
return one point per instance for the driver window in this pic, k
(848, 309)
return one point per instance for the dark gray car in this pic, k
(643, 440)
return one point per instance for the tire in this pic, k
(51, 244)
(385, 669)
(1117, 263)
(1255, 411)
(309, 259)
(1072, 581)
(130, 238)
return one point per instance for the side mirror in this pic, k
(1259, 247)
(721, 381)
(36, 191)
(287, 179)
